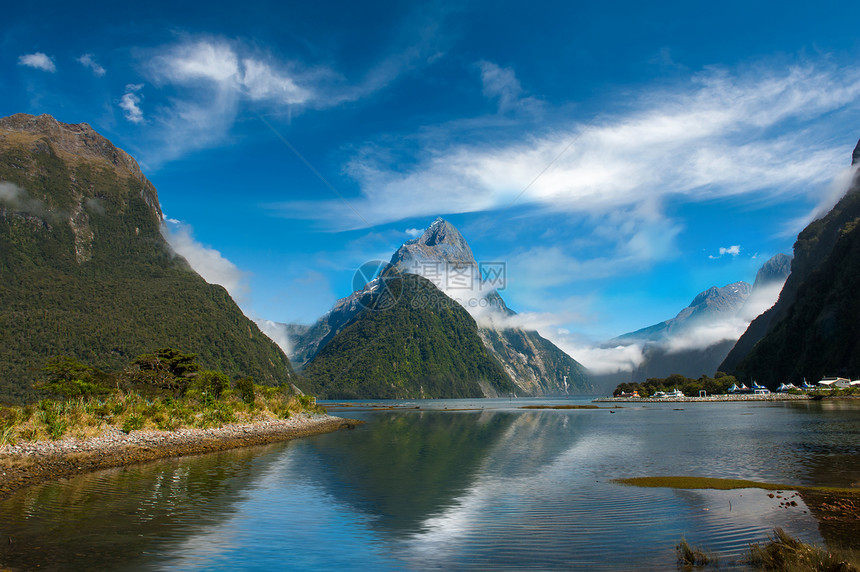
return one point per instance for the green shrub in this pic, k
(132, 423)
(245, 386)
(212, 383)
(56, 427)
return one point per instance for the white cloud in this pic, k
(600, 360)
(87, 61)
(730, 250)
(414, 232)
(276, 332)
(206, 261)
(262, 83)
(212, 80)
(38, 61)
(719, 136)
(500, 84)
(831, 195)
(18, 199)
(11, 193)
(130, 103)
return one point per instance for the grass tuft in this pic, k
(690, 557)
(788, 554)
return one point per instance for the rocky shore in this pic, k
(29, 463)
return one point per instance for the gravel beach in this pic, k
(29, 463)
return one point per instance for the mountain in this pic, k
(409, 341)
(698, 339)
(442, 256)
(775, 270)
(85, 271)
(674, 346)
(812, 330)
(709, 306)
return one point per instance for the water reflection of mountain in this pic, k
(116, 519)
(405, 467)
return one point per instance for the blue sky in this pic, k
(620, 157)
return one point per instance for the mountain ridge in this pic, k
(86, 272)
(810, 331)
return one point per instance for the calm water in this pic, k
(499, 487)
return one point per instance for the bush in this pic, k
(246, 388)
(132, 423)
(212, 383)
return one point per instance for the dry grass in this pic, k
(690, 557)
(686, 482)
(784, 553)
(130, 411)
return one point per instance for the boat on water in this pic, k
(663, 394)
(786, 387)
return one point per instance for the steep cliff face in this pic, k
(85, 271)
(812, 329)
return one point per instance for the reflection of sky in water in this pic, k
(278, 521)
(438, 490)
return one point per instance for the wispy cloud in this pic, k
(206, 261)
(14, 197)
(219, 63)
(720, 135)
(602, 358)
(500, 84)
(87, 61)
(212, 81)
(130, 103)
(38, 61)
(278, 333)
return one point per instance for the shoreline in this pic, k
(30, 463)
(708, 399)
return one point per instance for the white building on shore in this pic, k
(834, 382)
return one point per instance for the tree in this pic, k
(166, 368)
(214, 383)
(246, 388)
(68, 377)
